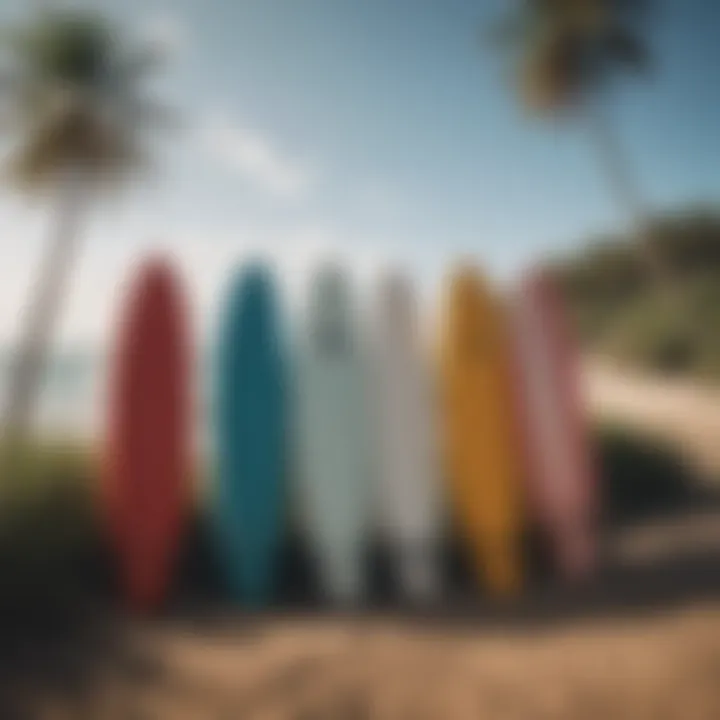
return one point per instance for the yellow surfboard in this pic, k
(480, 439)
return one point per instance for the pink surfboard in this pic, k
(561, 483)
(147, 460)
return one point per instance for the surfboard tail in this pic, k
(249, 573)
(577, 553)
(500, 565)
(344, 579)
(419, 572)
(259, 577)
(145, 588)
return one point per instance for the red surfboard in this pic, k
(148, 456)
(561, 481)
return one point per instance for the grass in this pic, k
(48, 527)
(644, 334)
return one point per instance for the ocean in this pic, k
(73, 398)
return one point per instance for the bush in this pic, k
(641, 477)
(620, 313)
(48, 530)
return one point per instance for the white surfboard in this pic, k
(333, 439)
(408, 484)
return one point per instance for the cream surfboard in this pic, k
(407, 498)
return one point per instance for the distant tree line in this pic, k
(617, 308)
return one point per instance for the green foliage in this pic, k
(73, 91)
(567, 50)
(620, 314)
(645, 335)
(48, 528)
(73, 48)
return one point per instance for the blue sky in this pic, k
(378, 130)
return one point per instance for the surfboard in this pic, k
(251, 426)
(407, 499)
(148, 453)
(479, 431)
(333, 437)
(561, 485)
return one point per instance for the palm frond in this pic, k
(632, 10)
(626, 49)
(74, 92)
(508, 31)
(553, 72)
(568, 49)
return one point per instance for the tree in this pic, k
(76, 109)
(569, 53)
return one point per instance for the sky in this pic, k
(383, 133)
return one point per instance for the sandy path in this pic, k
(682, 412)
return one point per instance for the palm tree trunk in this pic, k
(627, 195)
(29, 361)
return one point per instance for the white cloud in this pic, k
(254, 156)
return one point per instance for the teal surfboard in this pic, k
(332, 434)
(250, 429)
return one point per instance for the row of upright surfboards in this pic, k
(358, 429)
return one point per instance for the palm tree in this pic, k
(569, 53)
(75, 108)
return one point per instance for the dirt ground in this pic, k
(665, 666)
(643, 645)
